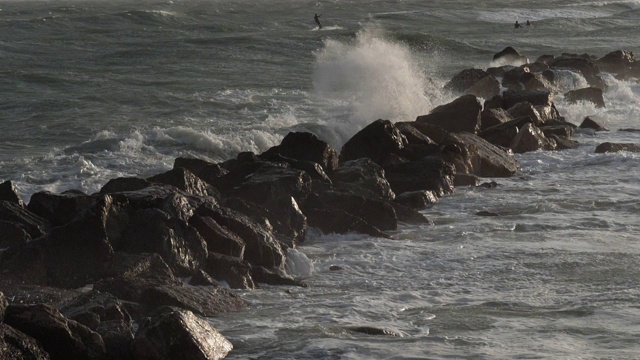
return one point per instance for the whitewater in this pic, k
(94, 89)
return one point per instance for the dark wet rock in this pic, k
(33, 224)
(523, 109)
(233, 271)
(59, 209)
(313, 169)
(373, 210)
(536, 82)
(589, 123)
(140, 266)
(306, 147)
(531, 138)
(590, 94)
(155, 231)
(509, 55)
(562, 142)
(179, 334)
(464, 179)
(201, 278)
(16, 345)
(503, 134)
(413, 135)
(474, 155)
(94, 307)
(488, 185)
(219, 239)
(375, 142)
(460, 115)
(410, 215)
(545, 59)
(8, 192)
(496, 102)
(428, 173)
(204, 301)
(549, 115)
(499, 71)
(28, 294)
(616, 147)
(485, 88)
(417, 199)
(487, 213)
(201, 168)
(493, 117)
(365, 174)
(12, 234)
(465, 79)
(419, 145)
(617, 62)
(60, 337)
(558, 130)
(535, 67)
(273, 277)
(629, 130)
(335, 268)
(118, 339)
(338, 221)
(3, 306)
(261, 249)
(435, 133)
(370, 330)
(535, 98)
(186, 181)
(123, 184)
(512, 76)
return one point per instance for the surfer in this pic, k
(517, 25)
(315, 17)
(528, 23)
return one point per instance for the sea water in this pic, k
(95, 89)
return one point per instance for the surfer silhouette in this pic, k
(315, 17)
(528, 23)
(517, 26)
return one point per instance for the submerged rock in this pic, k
(616, 147)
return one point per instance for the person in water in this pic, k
(528, 23)
(315, 17)
(517, 25)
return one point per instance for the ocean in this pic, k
(93, 90)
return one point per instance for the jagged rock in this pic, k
(589, 123)
(617, 62)
(545, 59)
(179, 334)
(417, 199)
(313, 169)
(373, 210)
(413, 135)
(16, 345)
(591, 94)
(464, 179)
(59, 209)
(616, 147)
(465, 79)
(523, 109)
(435, 133)
(154, 231)
(201, 278)
(186, 181)
(370, 330)
(535, 98)
(33, 224)
(531, 138)
(118, 339)
(493, 117)
(219, 239)
(306, 147)
(587, 67)
(462, 114)
(428, 173)
(512, 77)
(29, 294)
(123, 184)
(201, 168)
(509, 56)
(365, 174)
(535, 82)
(261, 249)
(233, 271)
(409, 215)
(204, 301)
(558, 130)
(12, 234)
(341, 222)
(273, 277)
(485, 88)
(474, 155)
(60, 337)
(375, 142)
(563, 143)
(8, 192)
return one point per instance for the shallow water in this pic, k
(93, 90)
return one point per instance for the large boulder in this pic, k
(535, 98)
(219, 239)
(8, 192)
(16, 345)
(589, 123)
(616, 147)
(33, 224)
(337, 221)
(186, 181)
(485, 88)
(365, 174)
(524, 109)
(306, 147)
(60, 337)
(417, 199)
(203, 169)
(465, 79)
(617, 62)
(585, 66)
(376, 141)
(59, 209)
(510, 56)
(531, 138)
(429, 173)
(474, 155)
(493, 117)
(179, 334)
(123, 184)
(462, 114)
(12, 234)
(233, 271)
(590, 94)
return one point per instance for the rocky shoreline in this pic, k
(130, 272)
